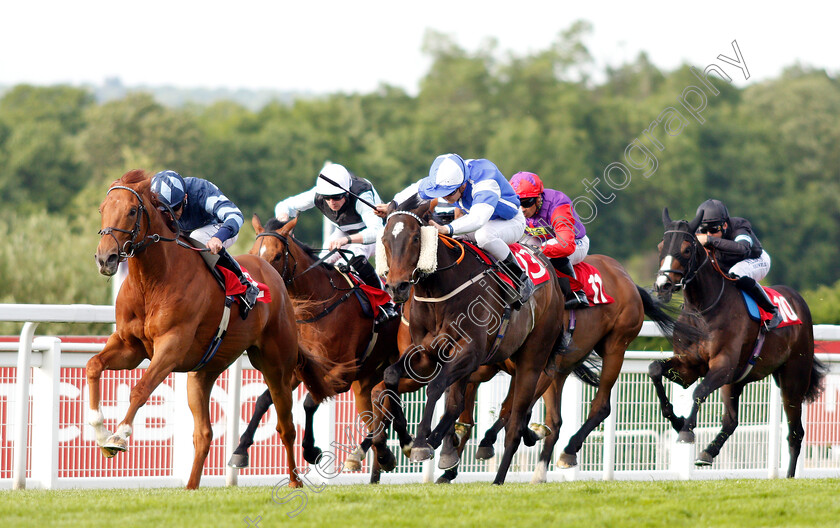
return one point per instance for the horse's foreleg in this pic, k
(729, 396)
(719, 374)
(553, 420)
(199, 385)
(523, 397)
(239, 459)
(656, 371)
(161, 366)
(485, 449)
(454, 445)
(115, 356)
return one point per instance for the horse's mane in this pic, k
(132, 177)
(412, 203)
(273, 224)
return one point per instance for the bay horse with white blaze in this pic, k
(724, 357)
(169, 309)
(456, 326)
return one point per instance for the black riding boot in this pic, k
(574, 298)
(366, 272)
(520, 278)
(249, 297)
(749, 285)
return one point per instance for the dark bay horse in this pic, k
(454, 323)
(169, 310)
(608, 329)
(713, 305)
(331, 317)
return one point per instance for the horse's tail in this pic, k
(815, 386)
(315, 372)
(671, 327)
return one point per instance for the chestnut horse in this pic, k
(338, 325)
(608, 329)
(455, 326)
(714, 305)
(169, 310)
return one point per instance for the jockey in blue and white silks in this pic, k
(206, 215)
(493, 217)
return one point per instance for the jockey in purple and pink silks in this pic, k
(551, 219)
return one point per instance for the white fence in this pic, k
(44, 442)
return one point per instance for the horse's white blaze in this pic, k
(263, 250)
(398, 227)
(662, 279)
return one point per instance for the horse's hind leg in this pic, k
(114, 356)
(199, 385)
(792, 385)
(485, 449)
(553, 420)
(599, 409)
(310, 451)
(239, 459)
(729, 395)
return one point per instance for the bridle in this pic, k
(288, 275)
(131, 246)
(691, 268)
(418, 275)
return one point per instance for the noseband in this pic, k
(131, 246)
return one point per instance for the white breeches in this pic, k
(495, 235)
(756, 268)
(204, 234)
(581, 250)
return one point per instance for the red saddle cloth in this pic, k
(234, 287)
(589, 279)
(527, 261)
(789, 317)
(376, 296)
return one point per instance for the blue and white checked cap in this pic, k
(447, 173)
(170, 187)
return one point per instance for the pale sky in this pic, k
(329, 46)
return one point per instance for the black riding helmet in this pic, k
(714, 213)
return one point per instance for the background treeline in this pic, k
(769, 150)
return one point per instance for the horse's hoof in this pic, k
(108, 453)
(419, 454)
(115, 444)
(238, 461)
(406, 449)
(352, 464)
(448, 460)
(704, 460)
(541, 430)
(443, 480)
(386, 459)
(566, 461)
(312, 454)
(484, 453)
(685, 437)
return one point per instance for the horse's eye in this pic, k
(133, 211)
(417, 238)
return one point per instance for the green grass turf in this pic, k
(697, 504)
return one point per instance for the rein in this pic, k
(131, 246)
(691, 273)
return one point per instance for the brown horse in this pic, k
(713, 304)
(607, 329)
(334, 319)
(169, 310)
(455, 322)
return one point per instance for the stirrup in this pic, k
(577, 299)
(772, 324)
(386, 313)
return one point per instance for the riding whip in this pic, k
(332, 182)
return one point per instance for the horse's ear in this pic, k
(255, 221)
(392, 206)
(692, 226)
(289, 226)
(666, 218)
(423, 209)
